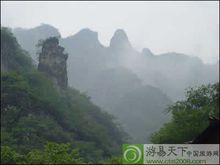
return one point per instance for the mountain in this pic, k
(97, 70)
(120, 41)
(173, 72)
(13, 57)
(28, 38)
(109, 75)
(86, 58)
(34, 112)
(142, 111)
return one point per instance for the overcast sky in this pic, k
(185, 27)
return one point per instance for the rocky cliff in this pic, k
(52, 61)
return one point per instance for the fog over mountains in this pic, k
(134, 86)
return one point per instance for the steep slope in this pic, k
(52, 62)
(33, 113)
(13, 57)
(86, 58)
(100, 73)
(142, 111)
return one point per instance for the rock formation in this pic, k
(52, 62)
(120, 40)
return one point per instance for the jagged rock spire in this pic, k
(52, 62)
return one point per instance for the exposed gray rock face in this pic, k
(52, 61)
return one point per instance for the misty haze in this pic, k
(83, 78)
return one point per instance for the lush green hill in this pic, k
(33, 113)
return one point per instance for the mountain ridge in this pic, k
(119, 34)
(107, 74)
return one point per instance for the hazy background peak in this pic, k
(186, 27)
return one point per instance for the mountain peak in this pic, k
(87, 36)
(120, 40)
(121, 33)
(43, 30)
(87, 33)
(147, 52)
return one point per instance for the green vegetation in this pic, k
(190, 116)
(52, 153)
(13, 56)
(39, 125)
(42, 126)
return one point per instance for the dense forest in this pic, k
(39, 124)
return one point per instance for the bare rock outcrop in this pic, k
(52, 62)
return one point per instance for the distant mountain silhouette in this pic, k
(28, 38)
(120, 40)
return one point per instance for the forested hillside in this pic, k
(33, 113)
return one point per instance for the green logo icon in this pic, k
(133, 153)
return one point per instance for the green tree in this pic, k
(10, 156)
(53, 153)
(60, 153)
(190, 116)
